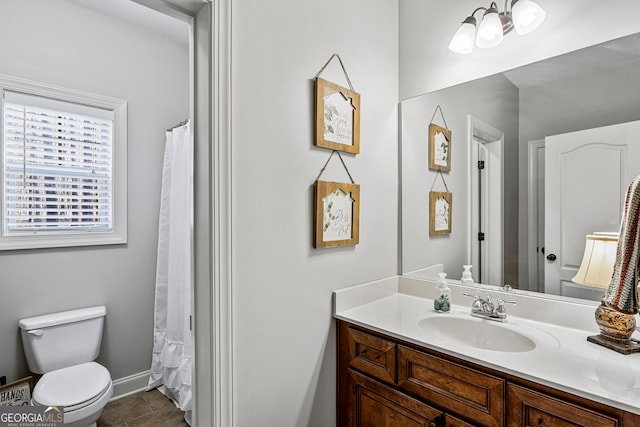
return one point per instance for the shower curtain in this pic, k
(171, 360)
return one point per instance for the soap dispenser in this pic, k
(442, 303)
(467, 278)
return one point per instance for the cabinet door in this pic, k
(372, 355)
(373, 404)
(528, 408)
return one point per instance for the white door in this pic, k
(586, 175)
(486, 205)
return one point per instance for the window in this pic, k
(63, 167)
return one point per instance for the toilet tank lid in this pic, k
(70, 316)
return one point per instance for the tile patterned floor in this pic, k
(147, 408)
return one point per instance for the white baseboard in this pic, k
(129, 385)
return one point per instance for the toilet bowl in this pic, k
(63, 347)
(82, 391)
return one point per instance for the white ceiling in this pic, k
(138, 14)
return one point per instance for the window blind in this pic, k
(58, 166)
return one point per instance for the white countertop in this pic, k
(562, 357)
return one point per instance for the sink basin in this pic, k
(478, 333)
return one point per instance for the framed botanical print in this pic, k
(337, 214)
(440, 204)
(439, 148)
(337, 117)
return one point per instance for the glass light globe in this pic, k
(527, 16)
(462, 41)
(490, 31)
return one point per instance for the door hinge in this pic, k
(480, 236)
(480, 164)
(191, 323)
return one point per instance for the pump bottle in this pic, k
(442, 303)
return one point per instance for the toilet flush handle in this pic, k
(36, 332)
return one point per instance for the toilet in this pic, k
(63, 346)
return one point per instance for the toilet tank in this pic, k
(59, 340)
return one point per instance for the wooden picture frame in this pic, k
(18, 393)
(336, 214)
(440, 207)
(337, 117)
(439, 148)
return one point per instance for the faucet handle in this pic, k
(477, 304)
(500, 310)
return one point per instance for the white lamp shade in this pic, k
(463, 39)
(527, 16)
(490, 30)
(599, 258)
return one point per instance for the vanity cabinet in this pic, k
(385, 382)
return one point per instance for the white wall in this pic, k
(284, 338)
(426, 27)
(54, 42)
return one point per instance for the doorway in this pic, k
(210, 58)
(485, 145)
(535, 248)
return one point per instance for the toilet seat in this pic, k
(74, 387)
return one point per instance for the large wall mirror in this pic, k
(559, 141)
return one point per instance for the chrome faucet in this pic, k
(486, 309)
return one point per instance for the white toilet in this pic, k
(63, 347)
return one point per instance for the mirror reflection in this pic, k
(558, 142)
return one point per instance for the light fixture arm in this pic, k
(480, 8)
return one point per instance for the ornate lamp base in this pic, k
(615, 330)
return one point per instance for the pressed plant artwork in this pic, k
(337, 214)
(439, 213)
(439, 148)
(337, 117)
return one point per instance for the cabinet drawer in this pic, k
(530, 408)
(474, 395)
(375, 404)
(372, 355)
(451, 421)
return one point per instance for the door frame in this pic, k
(212, 303)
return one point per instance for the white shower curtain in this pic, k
(171, 361)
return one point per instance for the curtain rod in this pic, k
(182, 123)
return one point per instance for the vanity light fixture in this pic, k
(522, 15)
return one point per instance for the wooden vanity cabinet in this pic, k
(385, 382)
